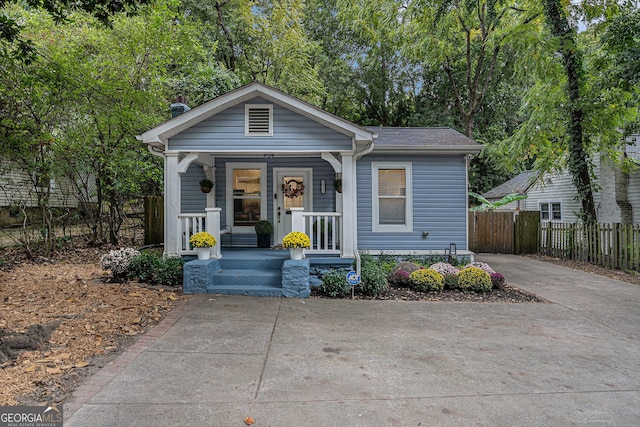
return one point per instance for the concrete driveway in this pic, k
(315, 362)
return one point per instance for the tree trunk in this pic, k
(578, 160)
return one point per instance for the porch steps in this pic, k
(264, 283)
(250, 274)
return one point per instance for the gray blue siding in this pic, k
(439, 205)
(225, 131)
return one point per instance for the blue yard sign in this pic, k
(353, 278)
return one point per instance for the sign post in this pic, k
(353, 279)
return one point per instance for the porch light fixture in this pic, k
(323, 186)
(268, 156)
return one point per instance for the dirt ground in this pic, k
(61, 319)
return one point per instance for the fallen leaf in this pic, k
(134, 294)
(249, 421)
(30, 368)
(54, 371)
(171, 297)
(81, 364)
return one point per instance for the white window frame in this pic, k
(408, 222)
(550, 211)
(248, 107)
(231, 166)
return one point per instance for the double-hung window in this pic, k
(551, 211)
(392, 197)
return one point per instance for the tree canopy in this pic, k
(542, 85)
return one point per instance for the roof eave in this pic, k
(444, 149)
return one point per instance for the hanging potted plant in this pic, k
(264, 230)
(337, 185)
(206, 185)
(203, 242)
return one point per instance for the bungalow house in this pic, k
(350, 188)
(554, 194)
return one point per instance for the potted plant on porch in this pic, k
(296, 242)
(264, 230)
(203, 242)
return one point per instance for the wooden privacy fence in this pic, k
(504, 232)
(610, 245)
(153, 220)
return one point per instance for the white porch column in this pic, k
(349, 205)
(171, 204)
(212, 226)
(297, 220)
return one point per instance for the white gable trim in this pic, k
(160, 134)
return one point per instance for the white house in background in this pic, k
(272, 156)
(19, 191)
(554, 194)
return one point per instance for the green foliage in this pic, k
(334, 285)
(451, 281)
(263, 227)
(474, 279)
(143, 267)
(489, 206)
(425, 261)
(426, 279)
(169, 272)
(150, 268)
(373, 276)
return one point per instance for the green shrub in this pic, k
(399, 275)
(169, 272)
(425, 261)
(334, 285)
(143, 267)
(148, 267)
(474, 279)
(426, 280)
(373, 276)
(450, 281)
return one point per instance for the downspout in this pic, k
(357, 156)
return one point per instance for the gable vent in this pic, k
(259, 120)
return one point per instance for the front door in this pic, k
(293, 189)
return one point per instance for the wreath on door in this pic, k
(292, 188)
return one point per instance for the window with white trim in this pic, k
(258, 120)
(392, 196)
(551, 211)
(246, 195)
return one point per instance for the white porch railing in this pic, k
(323, 228)
(188, 225)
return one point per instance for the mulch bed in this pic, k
(508, 294)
